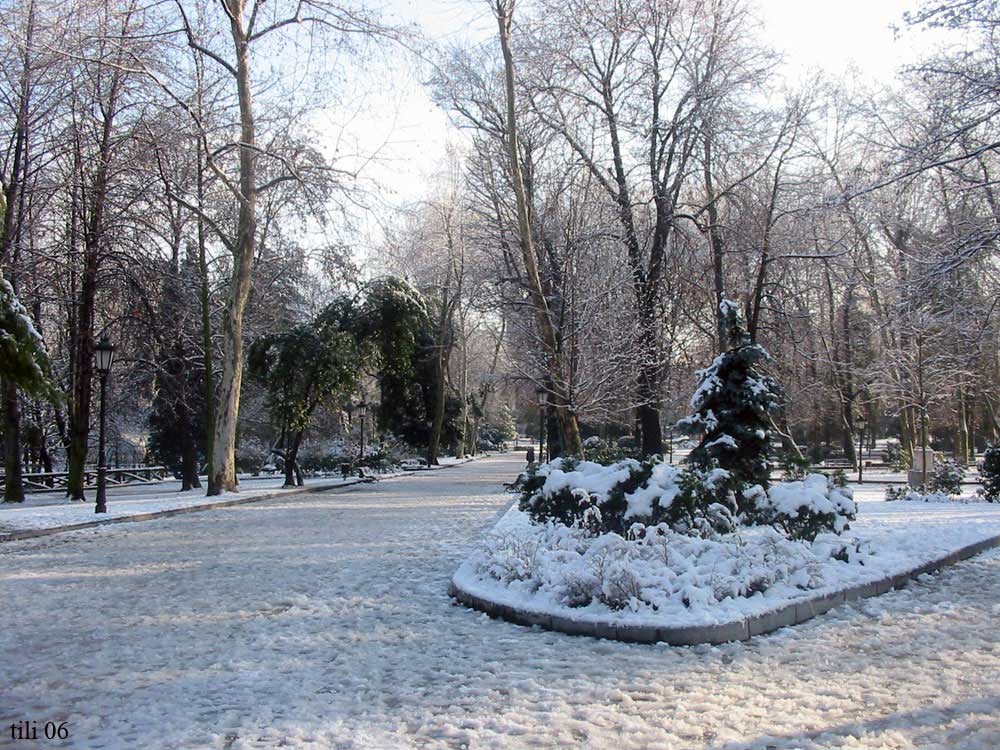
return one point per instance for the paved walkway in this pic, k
(321, 621)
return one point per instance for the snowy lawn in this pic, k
(671, 579)
(48, 510)
(324, 623)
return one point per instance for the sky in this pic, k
(410, 133)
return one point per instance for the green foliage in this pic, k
(804, 509)
(897, 458)
(178, 406)
(689, 500)
(179, 413)
(947, 477)
(303, 367)
(23, 358)
(394, 327)
(505, 425)
(732, 409)
(989, 471)
(838, 478)
(794, 466)
(606, 452)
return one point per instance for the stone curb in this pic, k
(15, 536)
(739, 630)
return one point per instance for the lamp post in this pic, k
(543, 399)
(104, 355)
(362, 407)
(862, 424)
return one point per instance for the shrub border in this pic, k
(737, 630)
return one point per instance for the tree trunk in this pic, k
(961, 451)
(440, 360)
(205, 302)
(223, 462)
(293, 477)
(567, 417)
(189, 462)
(13, 480)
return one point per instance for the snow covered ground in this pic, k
(323, 622)
(46, 510)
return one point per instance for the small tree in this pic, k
(301, 369)
(989, 471)
(732, 407)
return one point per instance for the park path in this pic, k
(322, 621)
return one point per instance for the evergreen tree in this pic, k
(302, 368)
(732, 409)
(178, 420)
(23, 358)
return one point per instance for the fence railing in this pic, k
(51, 481)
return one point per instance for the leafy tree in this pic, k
(396, 330)
(301, 368)
(732, 409)
(23, 358)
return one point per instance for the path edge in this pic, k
(793, 613)
(16, 536)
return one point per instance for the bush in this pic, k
(897, 458)
(793, 466)
(839, 478)
(947, 477)
(603, 452)
(989, 470)
(251, 455)
(805, 509)
(893, 494)
(602, 499)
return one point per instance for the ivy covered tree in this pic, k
(304, 367)
(732, 408)
(394, 323)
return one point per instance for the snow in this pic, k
(812, 494)
(323, 622)
(678, 580)
(47, 510)
(724, 440)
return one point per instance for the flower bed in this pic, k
(665, 579)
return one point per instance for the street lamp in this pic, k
(543, 400)
(862, 424)
(104, 355)
(362, 409)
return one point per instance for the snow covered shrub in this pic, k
(732, 409)
(794, 466)
(604, 452)
(512, 558)
(896, 493)
(897, 458)
(251, 455)
(947, 477)
(989, 471)
(620, 587)
(603, 499)
(804, 509)
(839, 478)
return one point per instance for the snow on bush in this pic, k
(904, 493)
(947, 477)
(989, 470)
(611, 498)
(805, 508)
(655, 568)
(689, 500)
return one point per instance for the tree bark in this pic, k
(223, 462)
(568, 424)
